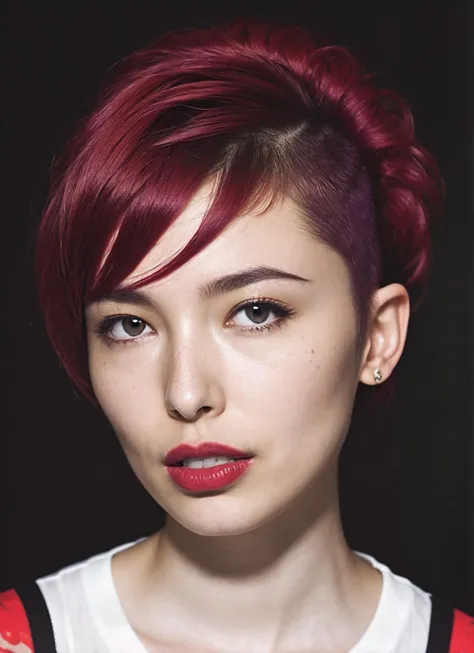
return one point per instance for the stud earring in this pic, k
(377, 376)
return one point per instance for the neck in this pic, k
(280, 584)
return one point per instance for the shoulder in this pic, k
(449, 630)
(39, 617)
(414, 619)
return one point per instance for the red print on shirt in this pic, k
(15, 635)
(463, 633)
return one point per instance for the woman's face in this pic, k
(276, 378)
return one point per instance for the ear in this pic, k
(386, 332)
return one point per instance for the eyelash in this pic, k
(282, 313)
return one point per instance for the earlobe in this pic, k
(378, 376)
(386, 333)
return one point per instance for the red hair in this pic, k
(262, 111)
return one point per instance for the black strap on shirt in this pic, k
(38, 617)
(441, 627)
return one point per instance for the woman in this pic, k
(228, 253)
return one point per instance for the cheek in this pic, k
(301, 393)
(126, 390)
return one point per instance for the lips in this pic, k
(203, 450)
(208, 479)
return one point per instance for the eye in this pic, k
(259, 314)
(123, 328)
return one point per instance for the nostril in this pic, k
(190, 416)
(205, 409)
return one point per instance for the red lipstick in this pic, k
(209, 478)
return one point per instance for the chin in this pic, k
(214, 515)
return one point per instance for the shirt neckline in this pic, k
(117, 633)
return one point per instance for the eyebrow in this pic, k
(211, 289)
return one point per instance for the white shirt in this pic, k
(87, 616)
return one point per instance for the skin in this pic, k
(262, 566)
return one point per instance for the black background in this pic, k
(66, 491)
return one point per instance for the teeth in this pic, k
(197, 463)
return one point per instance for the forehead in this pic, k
(276, 237)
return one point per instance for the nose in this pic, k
(193, 386)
